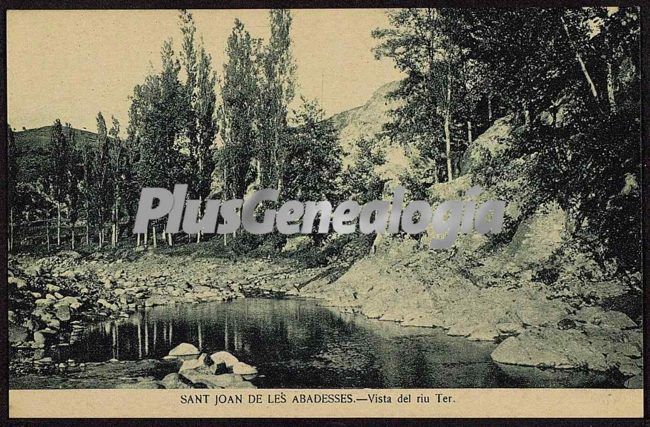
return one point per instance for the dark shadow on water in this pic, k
(299, 344)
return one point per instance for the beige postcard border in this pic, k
(469, 403)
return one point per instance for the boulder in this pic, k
(184, 349)
(513, 351)
(510, 328)
(202, 364)
(54, 323)
(242, 368)
(104, 303)
(484, 333)
(223, 357)
(605, 319)
(175, 381)
(156, 300)
(17, 333)
(539, 313)
(72, 302)
(215, 381)
(43, 337)
(44, 302)
(34, 270)
(561, 349)
(68, 274)
(63, 313)
(635, 382)
(461, 329)
(52, 288)
(17, 282)
(70, 254)
(427, 320)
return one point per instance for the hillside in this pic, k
(367, 121)
(538, 293)
(364, 121)
(33, 149)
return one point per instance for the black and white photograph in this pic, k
(416, 198)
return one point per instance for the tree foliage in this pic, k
(239, 95)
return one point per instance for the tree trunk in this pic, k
(198, 235)
(72, 239)
(490, 109)
(113, 235)
(11, 229)
(58, 223)
(583, 66)
(146, 237)
(155, 241)
(435, 172)
(610, 88)
(47, 232)
(448, 124)
(137, 240)
(170, 239)
(117, 219)
(526, 116)
(448, 145)
(469, 132)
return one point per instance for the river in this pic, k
(298, 343)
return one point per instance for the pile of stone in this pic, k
(198, 370)
(48, 297)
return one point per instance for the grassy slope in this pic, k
(33, 150)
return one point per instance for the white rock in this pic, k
(242, 368)
(224, 357)
(184, 349)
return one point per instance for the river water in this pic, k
(298, 343)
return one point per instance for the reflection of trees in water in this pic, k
(294, 342)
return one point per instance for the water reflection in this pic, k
(296, 343)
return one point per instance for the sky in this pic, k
(72, 64)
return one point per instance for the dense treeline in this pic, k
(222, 134)
(570, 77)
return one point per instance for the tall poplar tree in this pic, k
(240, 100)
(201, 125)
(60, 158)
(12, 182)
(277, 89)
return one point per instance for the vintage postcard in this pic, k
(406, 212)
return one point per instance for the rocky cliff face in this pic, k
(542, 296)
(367, 121)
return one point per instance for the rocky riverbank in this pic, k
(51, 299)
(581, 320)
(535, 289)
